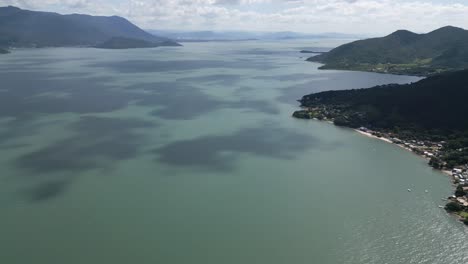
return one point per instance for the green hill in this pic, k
(403, 52)
(23, 28)
(437, 102)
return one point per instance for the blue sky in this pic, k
(373, 17)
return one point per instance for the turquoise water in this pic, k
(189, 155)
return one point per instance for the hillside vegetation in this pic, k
(402, 52)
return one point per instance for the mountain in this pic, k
(402, 52)
(129, 43)
(24, 28)
(192, 36)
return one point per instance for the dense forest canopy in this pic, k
(435, 103)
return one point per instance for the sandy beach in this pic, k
(401, 146)
(372, 136)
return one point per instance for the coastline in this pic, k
(452, 199)
(429, 149)
(372, 136)
(449, 173)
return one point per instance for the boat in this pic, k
(409, 190)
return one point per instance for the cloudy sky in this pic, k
(374, 17)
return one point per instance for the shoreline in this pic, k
(452, 198)
(384, 139)
(428, 150)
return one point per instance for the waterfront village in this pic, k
(432, 151)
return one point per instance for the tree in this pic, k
(465, 221)
(460, 192)
(453, 207)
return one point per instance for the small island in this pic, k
(131, 43)
(426, 117)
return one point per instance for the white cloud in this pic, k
(359, 16)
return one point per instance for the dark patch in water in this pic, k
(183, 102)
(46, 191)
(287, 77)
(35, 94)
(139, 66)
(14, 129)
(222, 79)
(218, 153)
(98, 142)
(176, 101)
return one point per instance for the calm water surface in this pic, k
(189, 155)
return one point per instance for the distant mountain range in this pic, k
(403, 52)
(24, 28)
(194, 36)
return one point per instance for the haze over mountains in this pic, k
(23, 28)
(403, 52)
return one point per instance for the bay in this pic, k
(190, 155)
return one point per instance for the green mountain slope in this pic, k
(403, 52)
(435, 103)
(23, 28)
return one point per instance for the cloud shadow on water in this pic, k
(178, 101)
(221, 79)
(219, 152)
(145, 66)
(47, 190)
(97, 143)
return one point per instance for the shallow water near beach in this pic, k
(190, 155)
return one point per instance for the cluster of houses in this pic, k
(427, 149)
(460, 176)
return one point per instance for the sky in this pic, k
(372, 17)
